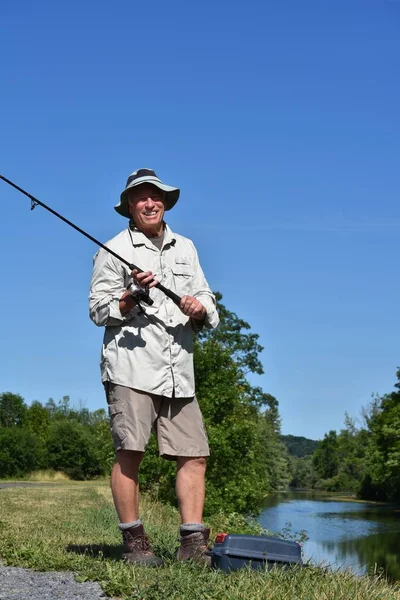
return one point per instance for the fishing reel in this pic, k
(140, 294)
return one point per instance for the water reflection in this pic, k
(359, 536)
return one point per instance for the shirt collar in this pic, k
(139, 239)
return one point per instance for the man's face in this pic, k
(146, 207)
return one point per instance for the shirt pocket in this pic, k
(183, 275)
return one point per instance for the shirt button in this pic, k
(170, 320)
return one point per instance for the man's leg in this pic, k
(132, 416)
(180, 430)
(125, 485)
(190, 491)
(190, 487)
(125, 491)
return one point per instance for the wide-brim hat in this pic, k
(171, 194)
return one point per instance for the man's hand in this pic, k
(127, 302)
(143, 279)
(192, 308)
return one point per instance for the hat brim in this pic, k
(171, 195)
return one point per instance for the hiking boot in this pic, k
(137, 548)
(194, 546)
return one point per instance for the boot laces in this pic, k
(141, 542)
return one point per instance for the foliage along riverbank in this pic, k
(72, 526)
(364, 460)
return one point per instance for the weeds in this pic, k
(47, 475)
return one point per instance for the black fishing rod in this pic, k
(144, 296)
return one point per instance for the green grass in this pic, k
(73, 527)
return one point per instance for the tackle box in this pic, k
(231, 552)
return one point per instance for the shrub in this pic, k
(20, 452)
(72, 448)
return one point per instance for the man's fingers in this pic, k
(186, 302)
(192, 307)
(145, 278)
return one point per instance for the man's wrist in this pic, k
(126, 303)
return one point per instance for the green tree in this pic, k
(352, 452)
(382, 480)
(72, 448)
(100, 427)
(303, 472)
(12, 410)
(19, 452)
(37, 420)
(231, 335)
(237, 477)
(299, 446)
(326, 457)
(274, 454)
(247, 457)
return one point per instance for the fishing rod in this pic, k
(139, 293)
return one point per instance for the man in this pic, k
(147, 360)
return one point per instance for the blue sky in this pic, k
(279, 121)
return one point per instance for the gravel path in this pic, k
(24, 584)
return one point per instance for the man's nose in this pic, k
(149, 201)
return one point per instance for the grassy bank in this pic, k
(73, 527)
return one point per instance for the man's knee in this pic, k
(195, 463)
(128, 460)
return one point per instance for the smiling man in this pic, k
(147, 361)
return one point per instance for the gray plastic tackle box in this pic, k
(231, 552)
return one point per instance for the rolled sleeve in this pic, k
(106, 288)
(212, 318)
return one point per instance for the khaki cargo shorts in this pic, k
(177, 422)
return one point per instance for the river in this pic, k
(342, 534)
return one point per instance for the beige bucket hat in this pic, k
(171, 194)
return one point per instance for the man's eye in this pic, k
(154, 198)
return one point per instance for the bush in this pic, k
(20, 452)
(72, 448)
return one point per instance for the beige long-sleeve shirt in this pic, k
(151, 352)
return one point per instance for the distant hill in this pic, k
(299, 446)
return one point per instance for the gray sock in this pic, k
(186, 527)
(124, 526)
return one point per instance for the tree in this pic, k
(12, 410)
(382, 480)
(100, 427)
(274, 453)
(299, 446)
(37, 420)
(230, 335)
(247, 457)
(326, 456)
(72, 448)
(19, 452)
(303, 472)
(237, 477)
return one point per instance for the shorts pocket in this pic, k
(116, 411)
